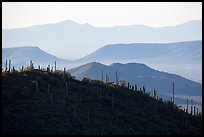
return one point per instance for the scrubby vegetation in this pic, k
(44, 102)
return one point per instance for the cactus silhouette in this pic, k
(116, 78)
(144, 89)
(135, 87)
(9, 65)
(102, 76)
(55, 65)
(6, 66)
(173, 93)
(191, 106)
(187, 106)
(155, 93)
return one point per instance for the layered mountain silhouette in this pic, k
(183, 58)
(189, 51)
(142, 75)
(68, 35)
(21, 56)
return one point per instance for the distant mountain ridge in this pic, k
(21, 56)
(140, 74)
(183, 58)
(71, 35)
(136, 51)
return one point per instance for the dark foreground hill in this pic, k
(40, 102)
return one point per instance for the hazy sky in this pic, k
(99, 14)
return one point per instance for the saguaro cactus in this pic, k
(55, 65)
(13, 68)
(173, 93)
(64, 73)
(194, 110)
(39, 67)
(191, 106)
(52, 69)
(155, 93)
(6, 66)
(135, 87)
(9, 65)
(31, 65)
(187, 106)
(144, 89)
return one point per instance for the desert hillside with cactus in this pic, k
(51, 101)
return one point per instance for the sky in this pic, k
(100, 14)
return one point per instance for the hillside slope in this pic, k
(141, 74)
(38, 102)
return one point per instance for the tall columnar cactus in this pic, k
(13, 69)
(191, 106)
(173, 93)
(52, 69)
(64, 73)
(55, 65)
(135, 87)
(144, 89)
(128, 85)
(194, 111)
(132, 87)
(31, 65)
(9, 65)
(155, 93)
(116, 77)
(187, 106)
(39, 67)
(22, 68)
(6, 66)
